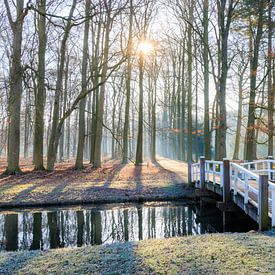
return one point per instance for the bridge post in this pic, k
(263, 202)
(202, 172)
(226, 182)
(270, 168)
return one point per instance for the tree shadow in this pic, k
(138, 178)
(112, 174)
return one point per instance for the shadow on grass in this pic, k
(107, 259)
(112, 174)
(14, 261)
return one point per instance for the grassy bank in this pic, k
(250, 253)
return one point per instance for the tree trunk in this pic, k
(99, 115)
(128, 90)
(40, 95)
(189, 92)
(239, 120)
(250, 134)
(224, 19)
(207, 137)
(82, 104)
(271, 90)
(139, 148)
(55, 132)
(15, 93)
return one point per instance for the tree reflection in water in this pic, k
(69, 228)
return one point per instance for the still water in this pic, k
(80, 226)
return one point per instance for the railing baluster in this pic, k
(206, 172)
(214, 173)
(270, 167)
(235, 181)
(245, 189)
(221, 174)
(273, 206)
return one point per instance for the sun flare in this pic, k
(145, 47)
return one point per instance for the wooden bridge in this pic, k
(249, 185)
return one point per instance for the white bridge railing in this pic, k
(266, 166)
(244, 179)
(246, 183)
(214, 172)
(195, 174)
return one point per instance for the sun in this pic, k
(145, 47)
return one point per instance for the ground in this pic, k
(250, 253)
(113, 182)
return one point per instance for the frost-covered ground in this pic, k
(250, 253)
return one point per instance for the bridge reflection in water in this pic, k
(54, 228)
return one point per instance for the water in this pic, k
(80, 226)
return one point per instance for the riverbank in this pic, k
(245, 253)
(114, 182)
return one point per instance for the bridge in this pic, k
(248, 185)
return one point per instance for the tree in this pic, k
(15, 83)
(82, 104)
(250, 134)
(139, 154)
(128, 88)
(271, 90)
(207, 137)
(224, 20)
(40, 95)
(189, 91)
(54, 137)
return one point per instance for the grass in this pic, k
(250, 253)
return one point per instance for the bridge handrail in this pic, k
(267, 165)
(244, 170)
(248, 174)
(214, 161)
(195, 172)
(213, 171)
(244, 179)
(258, 161)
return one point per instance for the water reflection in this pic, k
(70, 227)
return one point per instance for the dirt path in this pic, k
(178, 167)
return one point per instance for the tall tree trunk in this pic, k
(128, 89)
(183, 104)
(95, 81)
(99, 115)
(224, 19)
(139, 149)
(40, 95)
(207, 137)
(82, 104)
(55, 132)
(271, 90)
(65, 102)
(239, 119)
(15, 92)
(154, 122)
(27, 126)
(189, 92)
(250, 134)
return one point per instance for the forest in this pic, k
(131, 79)
(133, 131)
